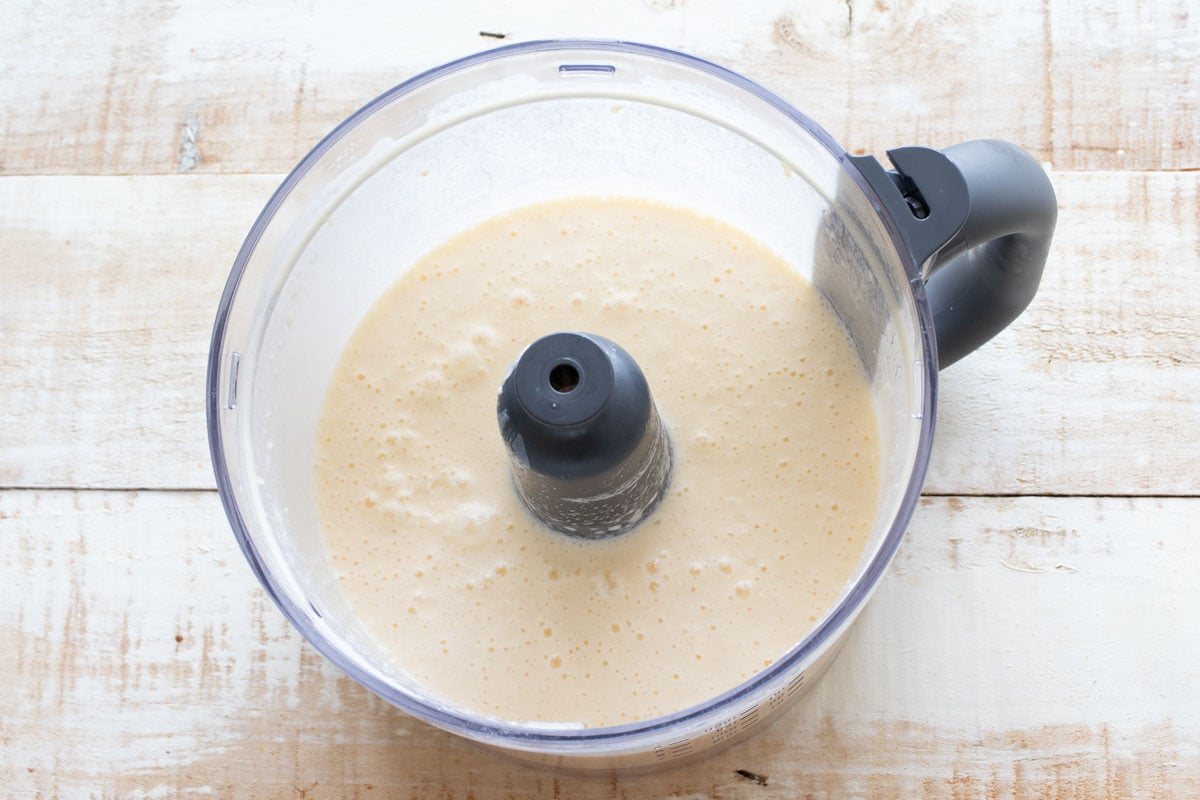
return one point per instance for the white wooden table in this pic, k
(1039, 633)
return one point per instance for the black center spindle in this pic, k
(588, 451)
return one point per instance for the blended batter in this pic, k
(774, 489)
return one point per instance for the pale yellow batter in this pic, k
(774, 487)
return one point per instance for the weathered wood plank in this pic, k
(1076, 83)
(1096, 389)
(1104, 96)
(110, 286)
(142, 87)
(1004, 656)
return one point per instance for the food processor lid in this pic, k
(819, 638)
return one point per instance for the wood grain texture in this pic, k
(136, 86)
(1091, 390)
(112, 284)
(1004, 656)
(110, 289)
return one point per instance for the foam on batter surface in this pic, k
(774, 490)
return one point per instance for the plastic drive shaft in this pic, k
(589, 454)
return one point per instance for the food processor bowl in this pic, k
(508, 128)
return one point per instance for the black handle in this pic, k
(979, 216)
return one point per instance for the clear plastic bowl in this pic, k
(500, 130)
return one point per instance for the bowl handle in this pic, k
(978, 218)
